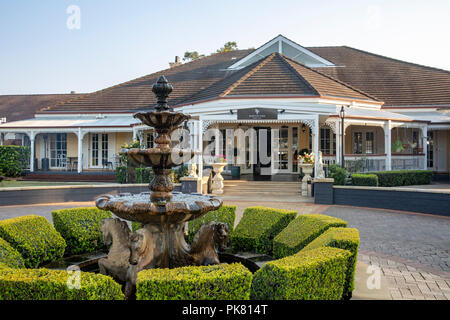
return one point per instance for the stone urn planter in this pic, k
(307, 170)
(217, 186)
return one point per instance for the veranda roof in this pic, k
(104, 122)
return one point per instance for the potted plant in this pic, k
(397, 146)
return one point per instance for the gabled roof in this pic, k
(21, 107)
(277, 75)
(393, 81)
(289, 48)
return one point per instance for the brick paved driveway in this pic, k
(423, 239)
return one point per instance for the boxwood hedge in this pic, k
(44, 284)
(34, 238)
(80, 227)
(225, 213)
(14, 160)
(342, 238)
(9, 256)
(215, 282)
(258, 227)
(302, 231)
(317, 274)
(364, 179)
(403, 177)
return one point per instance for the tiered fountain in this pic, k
(160, 243)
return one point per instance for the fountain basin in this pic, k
(139, 208)
(161, 157)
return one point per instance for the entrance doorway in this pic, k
(263, 162)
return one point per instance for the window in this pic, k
(369, 142)
(327, 141)
(58, 150)
(95, 149)
(430, 151)
(150, 140)
(357, 143)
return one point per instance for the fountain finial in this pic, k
(162, 88)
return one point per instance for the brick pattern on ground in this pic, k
(408, 282)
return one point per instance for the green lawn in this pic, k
(20, 183)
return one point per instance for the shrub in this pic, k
(34, 238)
(226, 214)
(14, 160)
(121, 174)
(9, 256)
(302, 231)
(80, 227)
(403, 177)
(144, 175)
(364, 179)
(258, 227)
(317, 274)
(44, 284)
(338, 174)
(342, 238)
(214, 282)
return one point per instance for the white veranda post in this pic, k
(32, 136)
(425, 146)
(387, 144)
(315, 136)
(80, 135)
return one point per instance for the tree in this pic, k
(190, 56)
(229, 46)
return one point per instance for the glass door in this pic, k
(282, 157)
(58, 150)
(99, 150)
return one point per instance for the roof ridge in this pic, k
(247, 75)
(298, 74)
(334, 79)
(397, 60)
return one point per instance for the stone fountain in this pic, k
(160, 243)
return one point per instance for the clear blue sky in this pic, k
(121, 40)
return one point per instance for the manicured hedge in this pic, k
(121, 174)
(258, 227)
(34, 238)
(302, 231)
(14, 160)
(144, 175)
(342, 238)
(44, 284)
(9, 256)
(317, 274)
(364, 179)
(225, 213)
(403, 177)
(215, 282)
(80, 227)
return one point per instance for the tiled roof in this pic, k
(393, 81)
(357, 75)
(278, 75)
(187, 79)
(21, 107)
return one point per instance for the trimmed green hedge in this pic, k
(121, 174)
(44, 284)
(225, 213)
(215, 282)
(258, 227)
(342, 238)
(364, 179)
(144, 175)
(80, 227)
(302, 231)
(403, 177)
(14, 160)
(9, 256)
(34, 238)
(317, 274)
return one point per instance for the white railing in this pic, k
(407, 162)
